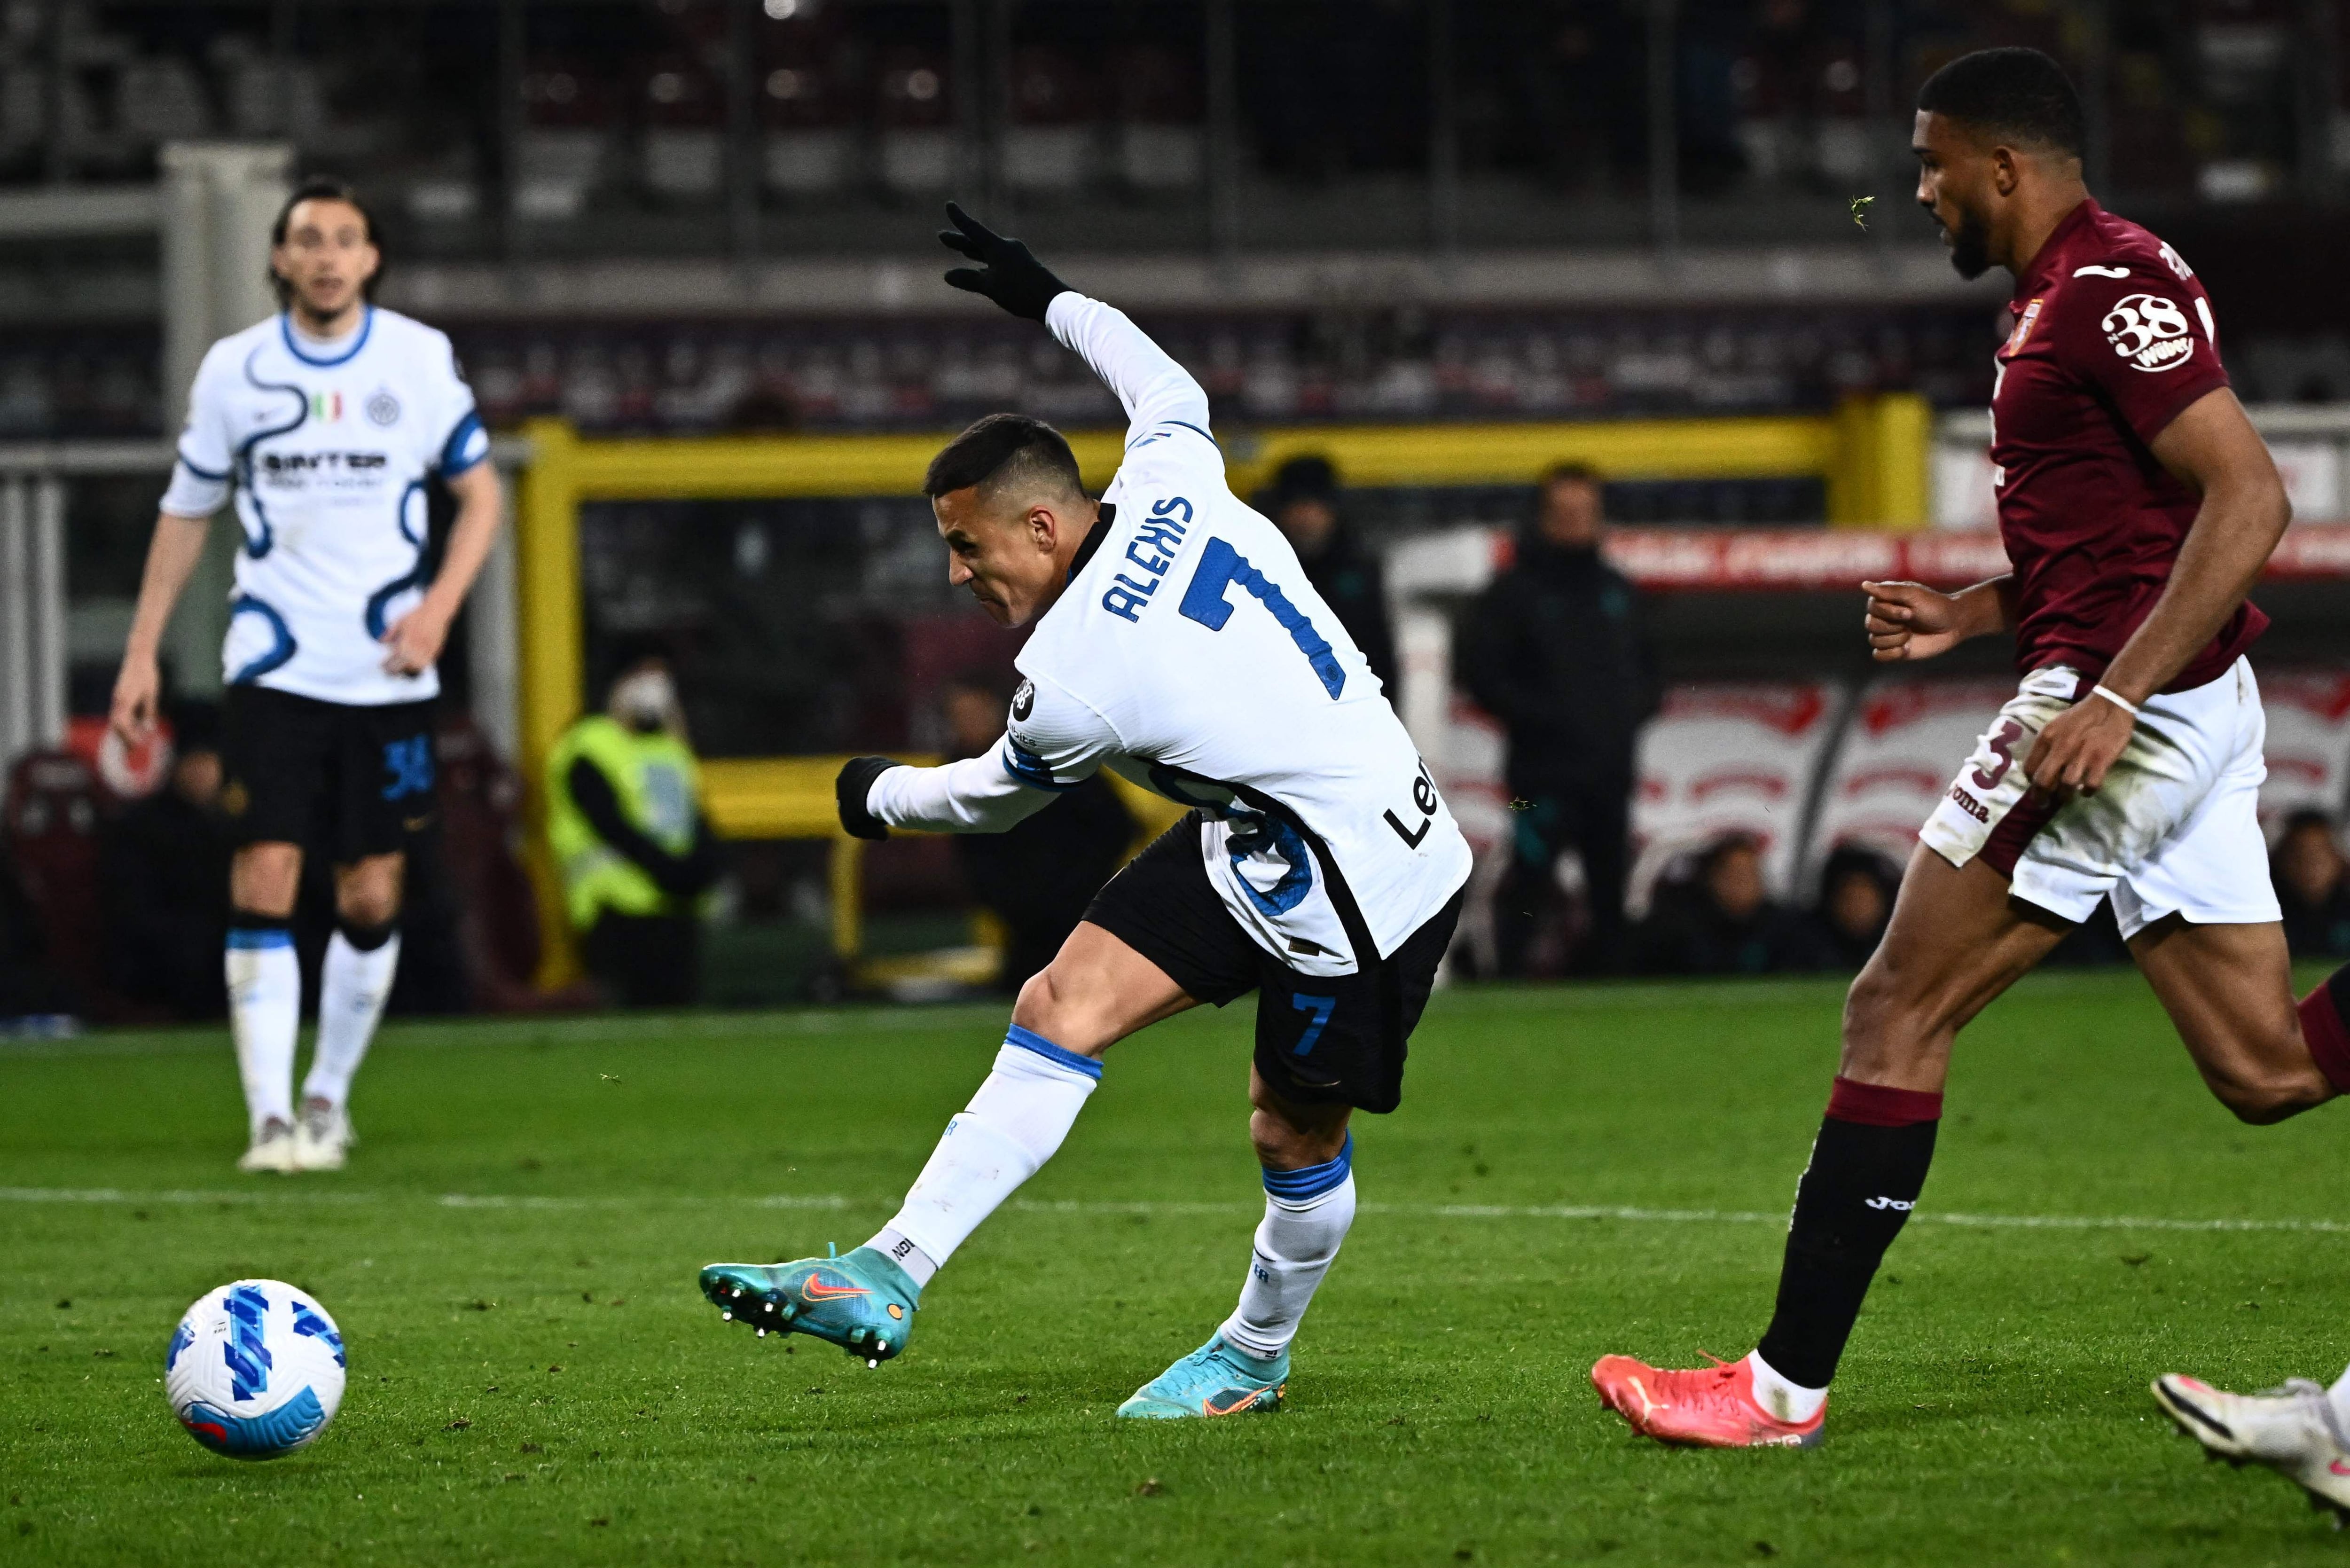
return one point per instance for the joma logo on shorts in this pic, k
(1896, 1204)
(1968, 803)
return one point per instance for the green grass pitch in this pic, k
(534, 1378)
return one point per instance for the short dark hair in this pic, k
(2013, 92)
(323, 188)
(1573, 472)
(1001, 448)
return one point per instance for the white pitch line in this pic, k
(833, 1201)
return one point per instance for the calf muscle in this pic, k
(2228, 991)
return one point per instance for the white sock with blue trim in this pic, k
(1009, 1130)
(353, 986)
(1306, 1213)
(264, 1010)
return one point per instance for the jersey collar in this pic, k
(1094, 538)
(2053, 250)
(294, 342)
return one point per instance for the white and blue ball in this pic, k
(256, 1369)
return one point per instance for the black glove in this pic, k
(855, 783)
(1007, 274)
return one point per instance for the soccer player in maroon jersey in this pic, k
(2137, 506)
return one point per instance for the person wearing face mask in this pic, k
(627, 829)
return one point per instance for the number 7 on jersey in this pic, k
(1220, 566)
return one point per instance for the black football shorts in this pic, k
(339, 779)
(1336, 1039)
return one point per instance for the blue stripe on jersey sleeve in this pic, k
(1177, 424)
(467, 445)
(200, 471)
(1026, 767)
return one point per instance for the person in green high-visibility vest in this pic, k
(624, 821)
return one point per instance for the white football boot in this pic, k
(273, 1149)
(321, 1136)
(2292, 1430)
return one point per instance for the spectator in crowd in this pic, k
(1723, 921)
(1038, 878)
(625, 825)
(163, 880)
(2313, 887)
(1554, 650)
(30, 995)
(1303, 504)
(1856, 901)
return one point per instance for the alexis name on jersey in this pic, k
(326, 449)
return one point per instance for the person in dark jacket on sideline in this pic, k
(1554, 650)
(1304, 505)
(2313, 887)
(163, 880)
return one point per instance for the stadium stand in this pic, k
(2308, 744)
(1904, 742)
(1730, 760)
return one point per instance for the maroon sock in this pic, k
(2325, 1029)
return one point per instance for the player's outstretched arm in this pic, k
(977, 795)
(171, 557)
(1909, 621)
(1151, 386)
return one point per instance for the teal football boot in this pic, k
(1217, 1379)
(864, 1302)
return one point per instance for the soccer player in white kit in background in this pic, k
(327, 422)
(1178, 644)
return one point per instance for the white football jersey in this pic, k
(1189, 654)
(326, 448)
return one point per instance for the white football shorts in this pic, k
(2173, 830)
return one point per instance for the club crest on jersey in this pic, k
(326, 408)
(1024, 701)
(2023, 326)
(2149, 331)
(382, 407)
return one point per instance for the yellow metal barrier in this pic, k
(1872, 453)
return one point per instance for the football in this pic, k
(255, 1370)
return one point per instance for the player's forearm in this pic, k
(974, 795)
(479, 510)
(171, 556)
(1985, 609)
(1151, 386)
(2235, 534)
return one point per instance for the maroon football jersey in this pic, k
(2113, 337)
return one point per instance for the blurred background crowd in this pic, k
(690, 218)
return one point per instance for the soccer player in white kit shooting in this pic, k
(327, 422)
(1178, 644)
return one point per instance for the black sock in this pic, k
(1868, 1167)
(251, 921)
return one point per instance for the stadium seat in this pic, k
(683, 103)
(50, 816)
(1048, 148)
(918, 143)
(1732, 759)
(1906, 740)
(2309, 743)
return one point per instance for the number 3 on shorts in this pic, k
(1222, 566)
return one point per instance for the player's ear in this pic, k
(2006, 170)
(1043, 528)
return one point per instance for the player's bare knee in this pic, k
(1290, 1136)
(1886, 1025)
(264, 877)
(1050, 1006)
